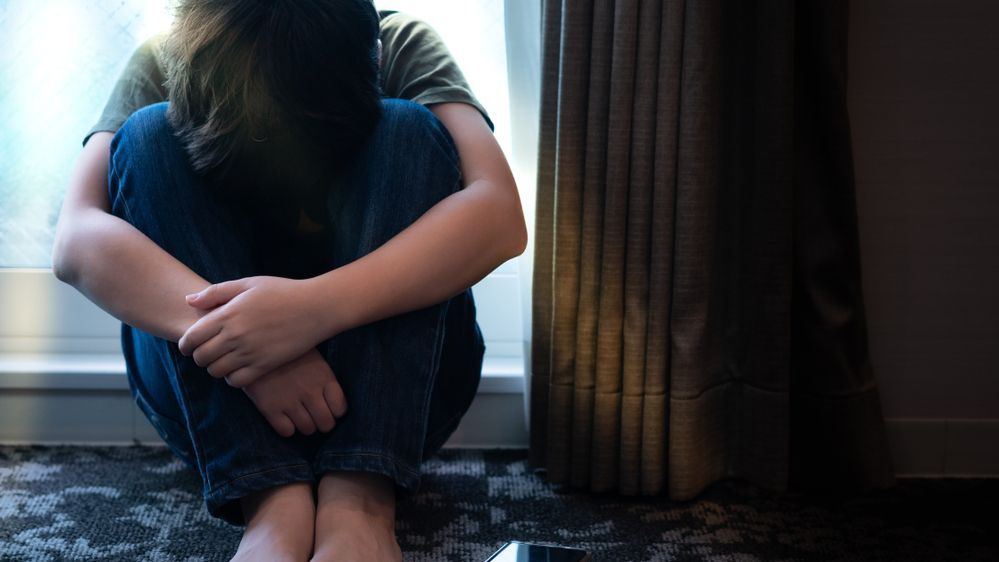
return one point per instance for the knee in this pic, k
(412, 133)
(144, 152)
(409, 120)
(146, 128)
(146, 143)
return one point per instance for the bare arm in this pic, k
(262, 321)
(469, 234)
(114, 264)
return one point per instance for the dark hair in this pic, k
(276, 84)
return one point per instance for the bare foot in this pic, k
(280, 524)
(355, 519)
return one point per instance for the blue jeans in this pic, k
(408, 379)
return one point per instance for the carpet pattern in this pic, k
(138, 503)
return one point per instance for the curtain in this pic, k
(697, 307)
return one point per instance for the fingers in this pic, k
(282, 424)
(200, 332)
(243, 376)
(211, 351)
(229, 366)
(216, 295)
(320, 412)
(303, 421)
(335, 398)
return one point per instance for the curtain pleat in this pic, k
(637, 249)
(757, 192)
(576, 37)
(698, 418)
(837, 436)
(544, 233)
(655, 414)
(593, 187)
(607, 408)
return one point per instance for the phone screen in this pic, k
(523, 552)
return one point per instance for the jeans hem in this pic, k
(222, 503)
(435, 441)
(406, 478)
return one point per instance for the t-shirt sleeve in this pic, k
(417, 66)
(140, 84)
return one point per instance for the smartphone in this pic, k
(515, 551)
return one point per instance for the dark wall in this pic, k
(924, 103)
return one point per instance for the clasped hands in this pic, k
(260, 335)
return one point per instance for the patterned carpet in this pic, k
(137, 503)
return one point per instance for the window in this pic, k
(59, 64)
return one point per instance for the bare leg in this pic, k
(280, 524)
(355, 519)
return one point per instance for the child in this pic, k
(291, 256)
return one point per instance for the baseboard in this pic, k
(495, 419)
(920, 447)
(923, 447)
(84, 398)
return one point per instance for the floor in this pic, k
(138, 503)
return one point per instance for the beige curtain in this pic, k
(697, 305)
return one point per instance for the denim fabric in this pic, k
(408, 379)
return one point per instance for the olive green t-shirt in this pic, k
(416, 66)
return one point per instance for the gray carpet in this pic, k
(137, 503)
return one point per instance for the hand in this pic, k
(255, 325)
(303, 394)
